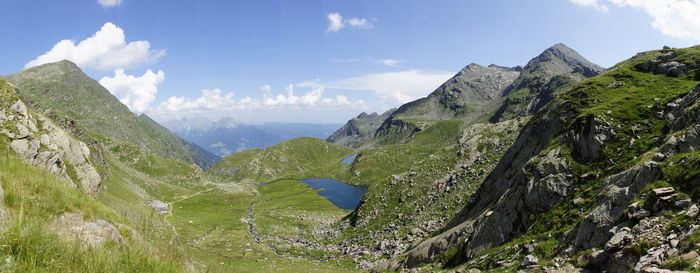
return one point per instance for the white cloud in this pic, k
(391, 62)
(216, 101)
(674, 18)
(359, 23)
(210, 99)
(400, 87)
(109, 3)
(336, 22)
(265, 88)
(106, 50)
(590, 3)
(137, 93)
(387, 62)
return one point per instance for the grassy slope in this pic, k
(413, 198)
(33, 197)
(297, 158)
(58, 87)
(379, 163)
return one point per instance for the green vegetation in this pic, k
(74, 97)
(219, 225)
(293, 159)
(34, 198)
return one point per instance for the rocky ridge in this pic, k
(359, 130)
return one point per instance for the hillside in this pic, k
(583, 182)
(297, 158)
(64, 93)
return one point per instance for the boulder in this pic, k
(529, 260)
(72, 226)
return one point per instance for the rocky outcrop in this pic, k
(665, 65)
(73, 226)
(613, 199)
(38, 141)
(358, 131)
(395, 131)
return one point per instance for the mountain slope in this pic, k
(359, 130)
(555, 69)
(568, 181)
(63, 91)
(466, 96)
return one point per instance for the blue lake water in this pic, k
(344, 196)
(349, 159)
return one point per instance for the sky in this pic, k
(314, 60)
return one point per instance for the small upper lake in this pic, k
(342, 195)
(349, 159)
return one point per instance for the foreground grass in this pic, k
(33, 198)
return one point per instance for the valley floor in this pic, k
(268, 229)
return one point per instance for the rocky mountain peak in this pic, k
(226, 122)
(560, 58)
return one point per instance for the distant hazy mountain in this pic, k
(228, 136)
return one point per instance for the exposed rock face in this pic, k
(38, 141)
(613, 199)
(359, 130)
(556, 68)
(468, 91)
(95, 233)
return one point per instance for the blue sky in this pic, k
(242, 58)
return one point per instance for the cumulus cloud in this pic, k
(137, 93)
(210, 99)
(265, 88)
(590, 3)
(674, 18)
(401, 87)
(215, 100)
(109, 3)
(336, 22)
(106, 50)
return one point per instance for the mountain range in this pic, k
(228, 136)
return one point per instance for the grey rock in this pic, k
(615, 193)
(693, 211)
(95, 233)
(682, 203)
(529, 261)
